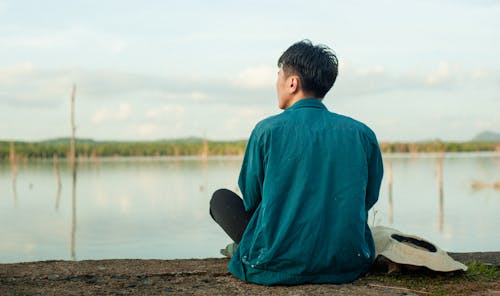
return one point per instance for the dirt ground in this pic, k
(210, 277)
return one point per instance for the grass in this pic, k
(478, 278)
(482, 272)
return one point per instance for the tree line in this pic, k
(89, 148)
(193, 147)
(439, 146)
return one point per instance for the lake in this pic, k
(158, 207)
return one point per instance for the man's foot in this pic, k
(229, 250)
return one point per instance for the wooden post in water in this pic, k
(73, 170)
(12, 152)
(204, 158)
(204, 152)
(440, 189)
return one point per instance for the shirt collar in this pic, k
(307, 103)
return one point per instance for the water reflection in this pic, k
(58, 180)
(13, 172)
(73, 211)
(439, 166)
(153, 208)
(204, 161)
(389, 189)
(390, 183)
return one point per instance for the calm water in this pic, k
(158, 208)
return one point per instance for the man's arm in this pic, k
(375, 174)
(252, 173)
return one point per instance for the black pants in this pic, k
(227, 209)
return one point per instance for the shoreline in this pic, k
(111, 158)
(210, 276)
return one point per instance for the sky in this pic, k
(148, 70)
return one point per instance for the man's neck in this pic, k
(300, 97)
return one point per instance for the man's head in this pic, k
(306, 70)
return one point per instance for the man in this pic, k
(308, 179)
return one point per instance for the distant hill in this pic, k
(487, 136)
(67, 140)
(92, 141)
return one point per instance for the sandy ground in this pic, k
(190, 277)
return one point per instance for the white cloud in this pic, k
(361, 71)
(116, 46)
(173, 110)
(106, 114)
(13, 72)
(487, 124)
(174, 116)
(168, 120)
(195, 96)
(168, 110)
(443, 73)
(167, 107)
(74, 38)
(146, 130)
(355, 81)
(198, 96)
(152, 114)
(241, 119)
(259, 77)
(23, 85)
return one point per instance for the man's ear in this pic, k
(294, 84)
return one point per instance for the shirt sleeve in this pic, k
(252, 173)
(375, 174)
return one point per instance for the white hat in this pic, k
(412, 250)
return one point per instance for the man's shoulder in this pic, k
(336, 120)
(351, 123)
(270, 122)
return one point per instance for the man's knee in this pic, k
(217, 196)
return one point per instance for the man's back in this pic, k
(311, 176)
(308, 179)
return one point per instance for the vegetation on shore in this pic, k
(91, 148)
(438, 146)
(196, 146)
(478, 277)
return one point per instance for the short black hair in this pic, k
(316, 65)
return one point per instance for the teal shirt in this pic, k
(311, 176)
